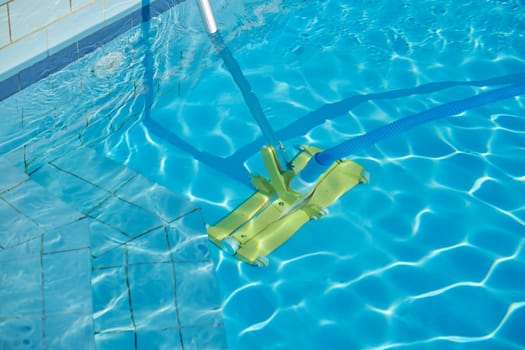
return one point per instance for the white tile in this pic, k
(4, 26)
(75, 27)
(25, 20)
(22, 54)
(115, 9)
(78, 4)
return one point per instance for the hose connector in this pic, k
(305, 180)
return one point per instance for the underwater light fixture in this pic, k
(299, 190)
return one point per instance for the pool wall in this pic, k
(35, 43)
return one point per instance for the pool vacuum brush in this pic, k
(299, 190)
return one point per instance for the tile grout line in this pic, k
(114, 193)
(76, 136)
(131, 237)
(172, 263)
(64, 250)
(110, 194)
(140, 234)
(130, 302)
(158, 262)
(18, 210)
(7, 189)
(42, 277)
(27, 216)
(112, 330)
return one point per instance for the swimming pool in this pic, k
(430, 253)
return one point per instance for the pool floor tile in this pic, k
(152, 289)
(70, 236)
(114, 257)
(115, 340)
(126, 217)
(41, 206)
(42, 150)
(81, 195)
(111, 304)
(168, 339)
(16, 228)
(21, 289)
(11, 176)
(149, 248)
(26, 249)
(104, 238)
(198, 297)
(124, 261)
(88, 165)
(67, 282)
(73, 331)
(21, 333)
(188, 238)
(157, 199)
(209, 338)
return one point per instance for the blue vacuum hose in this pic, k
(320, 161)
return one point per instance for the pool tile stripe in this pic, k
(51, 64)
(55, 61)
(9, 86)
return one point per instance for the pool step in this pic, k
(149, 254)
(45, 267)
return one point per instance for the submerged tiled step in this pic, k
(45, 268)
(153, 279)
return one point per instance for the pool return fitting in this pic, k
(300, 190)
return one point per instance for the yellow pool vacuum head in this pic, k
(275, 211)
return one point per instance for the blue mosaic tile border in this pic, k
(55, 62)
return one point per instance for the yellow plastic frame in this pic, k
(272, 214)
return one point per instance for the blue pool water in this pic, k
(430, 254)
